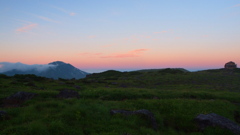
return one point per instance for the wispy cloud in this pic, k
(238, 5)
(139, 50)
(134, 53)
(72, 14)
(27, 28)
(47, 19)
(65, 11)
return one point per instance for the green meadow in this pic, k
(174, 96)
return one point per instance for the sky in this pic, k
(97, 35)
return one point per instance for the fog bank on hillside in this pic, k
(7, 66)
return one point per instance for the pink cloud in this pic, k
(139, 51)
(72, 14)
(133, 53)
(27, 28)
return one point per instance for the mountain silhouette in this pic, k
(58, 69)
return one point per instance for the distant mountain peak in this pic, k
(56, 69)
(57, 63)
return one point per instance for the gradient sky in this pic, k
(95, 35)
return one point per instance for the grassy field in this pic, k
(174, 96)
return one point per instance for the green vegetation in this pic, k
(175, 97)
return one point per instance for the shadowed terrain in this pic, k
(172, 97)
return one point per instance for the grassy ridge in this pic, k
(174, 97)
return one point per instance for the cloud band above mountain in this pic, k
(6, 66)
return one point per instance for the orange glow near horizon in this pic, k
(135, 59)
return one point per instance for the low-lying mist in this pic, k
(7, 66)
